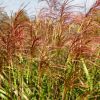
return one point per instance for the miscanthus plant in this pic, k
(55, 56)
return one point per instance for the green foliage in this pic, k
(22, 82)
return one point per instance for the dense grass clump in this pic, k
(55, 56)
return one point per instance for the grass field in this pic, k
(55, 56)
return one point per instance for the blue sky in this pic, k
(33, 5)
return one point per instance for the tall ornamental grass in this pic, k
(55, 56)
